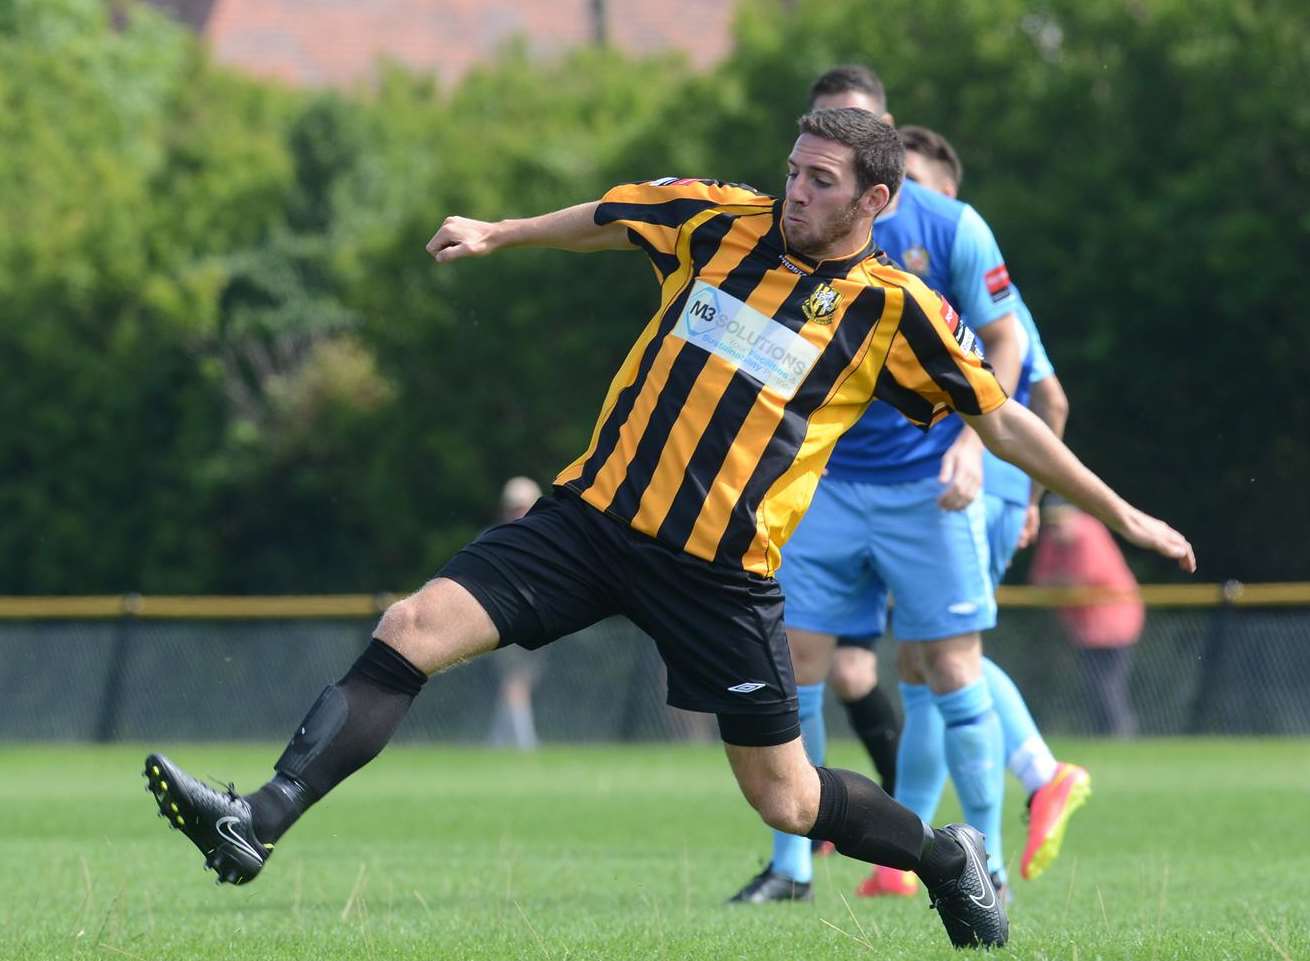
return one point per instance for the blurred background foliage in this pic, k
(229, 366)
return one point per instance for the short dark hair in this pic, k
(879, 154)
(933, 146)
(850, 77)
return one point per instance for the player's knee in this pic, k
(909, 666)
(951, 667)
(780, 801)
(401, 628)
(399, 619)
(784, 811)
(853, 677)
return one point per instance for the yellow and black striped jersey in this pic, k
(716, 429)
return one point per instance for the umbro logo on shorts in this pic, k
(750, 687)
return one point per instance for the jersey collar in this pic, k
(799, 263)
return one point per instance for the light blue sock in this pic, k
(791, 854)
(1017, 724)
(1026, 752)
(975, 754)
(921, 755)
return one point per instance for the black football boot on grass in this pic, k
(971, 910)
(216, 822)
(768, 886)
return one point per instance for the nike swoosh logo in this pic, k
(982, 873)
(229, 834)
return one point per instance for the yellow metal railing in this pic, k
(99, 607)
(173, 607)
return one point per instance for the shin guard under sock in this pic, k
(873, 719)
(863, 821)
(346, 728)
(921, 758)
(1026, 753)
(975, 756)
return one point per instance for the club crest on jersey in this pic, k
(917, 260)
(821, 305)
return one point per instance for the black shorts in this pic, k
(566, 565)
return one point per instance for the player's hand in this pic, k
(961, 473)
(1155, 535)
(1032, 523)
(462, 237)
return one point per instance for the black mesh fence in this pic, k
(1216, 670)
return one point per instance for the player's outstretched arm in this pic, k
(1051, 404)
(1014, 433)
(573, 228)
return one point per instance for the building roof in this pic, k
(318, 43)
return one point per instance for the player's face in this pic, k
(851, 98)
(822, 212)
(927, 173)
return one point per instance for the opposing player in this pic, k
(1055, 789)
(778, 323)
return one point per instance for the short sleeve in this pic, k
(980, 281)
(934, 366)
(655, 210)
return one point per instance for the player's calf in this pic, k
(865, 823)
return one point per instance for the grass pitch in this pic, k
(1193, 849)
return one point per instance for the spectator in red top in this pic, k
(1076, 550)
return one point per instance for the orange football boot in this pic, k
(889, 882)
(1049, 810)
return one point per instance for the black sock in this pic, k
(863, 821)
(276, 805)
(942, 859)
(346, 728)
(874, 721)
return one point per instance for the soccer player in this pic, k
(778, 323)
(1055, 789)
(898, 511)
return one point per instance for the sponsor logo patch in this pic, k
(749, 687)
(998, 283)
(949, 315)
(964, 335)
(753, 343)
(787, 264)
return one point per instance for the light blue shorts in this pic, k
(859, 541)
(1004, 525)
